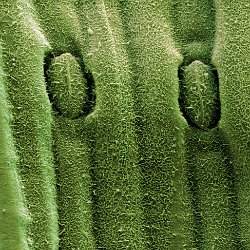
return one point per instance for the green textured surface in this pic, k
(125, 124)
(115, 152)
(166, 203)
(212, 181)
(231, 57)
(200, 94)
(74, 183)
(67, 85)
(24, 48)
(13, 215)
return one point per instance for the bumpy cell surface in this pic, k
(200, 94)
(67, 85)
